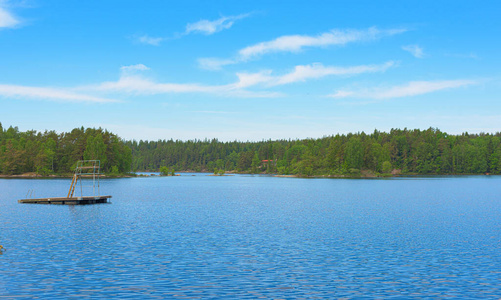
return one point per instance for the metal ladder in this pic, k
(89, 168)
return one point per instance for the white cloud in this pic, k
(251, 79)
(214, 64)
(145, 39)
(132, 83)
(203, 26)
(19, 91)
(210, 27)
(296, 43)
(341, 94)
(135, 84)
(412, 88)
(305, 72)
(138, 85)
(302, 73)
(7, 20)
(133, 68)
(415, 50)
(215, 112)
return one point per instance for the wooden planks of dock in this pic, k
(67, 200)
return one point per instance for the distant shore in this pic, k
(39, 176)
(347, 176)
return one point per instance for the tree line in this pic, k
(48, 153)
(398, 151)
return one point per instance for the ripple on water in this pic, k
(252, 237)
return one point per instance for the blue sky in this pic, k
(250, 70)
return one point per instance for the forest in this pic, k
(52, 153)
(400, 151)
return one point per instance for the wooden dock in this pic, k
(67, 200)
(84, 168)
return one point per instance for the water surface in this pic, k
(249, 236)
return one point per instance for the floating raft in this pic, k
(68, 201)
(84, 168)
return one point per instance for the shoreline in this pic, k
(338, 176)
(69, 176)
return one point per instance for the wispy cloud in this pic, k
(296, 43)
(7, 19)
(139, 85)
(410, 89)
(205, 27)
(214, 64)
(133, 68)
(415, 50)
(304, 72)
(148, 40)
(210, 27)
(215, 112)
(44, 93)
(132, 82)
(252, 79)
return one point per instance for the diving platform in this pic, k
(68, 201)
(86, 170)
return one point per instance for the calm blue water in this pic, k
(255, 236)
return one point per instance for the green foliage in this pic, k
(164, 171)
(353, 172)
(386, 167)
(114, 171)
(48, 152)
(245, 160)
(354, 153)
(95, 149)
(219, 172)
(411, 151)
(256, 163)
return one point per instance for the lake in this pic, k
(250, 236)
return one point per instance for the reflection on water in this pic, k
(254, 236)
